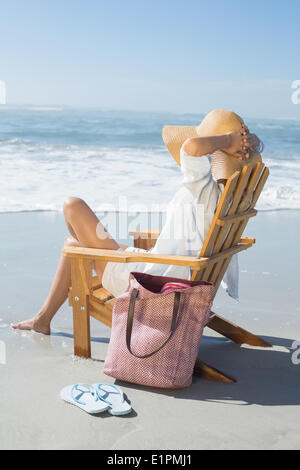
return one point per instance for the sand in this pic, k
(260, 411)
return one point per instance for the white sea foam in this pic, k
(40, 177)
(43, 160)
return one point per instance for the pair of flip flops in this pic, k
(97, 398)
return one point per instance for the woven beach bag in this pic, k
(155, 336)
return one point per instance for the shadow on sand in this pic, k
(265, 376)
(94, 339)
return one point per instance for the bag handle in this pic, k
(130, 317)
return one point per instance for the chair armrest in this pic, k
(248, 240)
(145, 234)
(94, 254)
(128, 257)
(154, 234)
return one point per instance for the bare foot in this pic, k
(35, 324)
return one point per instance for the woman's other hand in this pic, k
(241, 142)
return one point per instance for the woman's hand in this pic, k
(240, 143)
(252, 140)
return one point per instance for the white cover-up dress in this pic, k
(189, 216)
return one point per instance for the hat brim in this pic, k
(175, 136)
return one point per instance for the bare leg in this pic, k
(86, 230)
(85, 227)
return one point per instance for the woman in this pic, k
(208, 154)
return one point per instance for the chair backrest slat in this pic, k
(237, 196)
(220, 212)
(235, 208)
(256, 174)
(260, 186)
(256, 186)
(257, 180)
(219, 273)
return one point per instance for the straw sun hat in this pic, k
(216, 122)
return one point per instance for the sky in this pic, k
(161, 55)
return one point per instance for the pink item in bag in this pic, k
(155, 336)
(170, 286)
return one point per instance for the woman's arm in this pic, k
(199, 146)
(235, 143)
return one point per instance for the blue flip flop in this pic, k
(114, 397)
(84, 396)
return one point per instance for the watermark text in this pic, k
(296, 354)
(296, 94)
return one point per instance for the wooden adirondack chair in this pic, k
(237, 205)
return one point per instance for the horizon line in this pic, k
(60, 107)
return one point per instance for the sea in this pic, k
(117, 159)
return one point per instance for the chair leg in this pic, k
(207, 372)
(81, 328)
(81, 314)
(234, 332)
